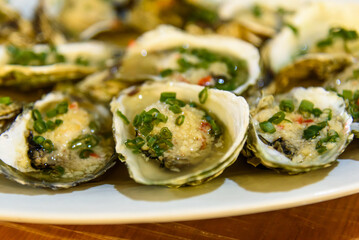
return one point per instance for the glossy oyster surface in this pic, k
(314, 51)
(346, 84)
(168, 53)
(59, 142)
(43, 65)
(167, 136)
(303, 130)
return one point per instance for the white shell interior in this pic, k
(313, 23)
(322, 99)
(168, 37)
(230, 110)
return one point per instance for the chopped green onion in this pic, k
(180, 120)
(51, 113)
(313, 131)
(317, 112)
(166, 72)
(85, 153)
(347, 94)
(123, 117)
(257, 11)
(167, 95)
(267, 127)
(50, 125)
(286, 105)
(165, 133)
(40, 126)
(203, 95)
(192, 104)
(175, 109)
(277, 118)
(62, 107)
(5, 100)
(39, 139)
(58, 122)
(306, 106)
(36, 115)
(48, 145)
(217, 131)
(293, 28)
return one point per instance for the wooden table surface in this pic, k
(335, 219)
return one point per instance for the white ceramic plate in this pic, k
(241, 189)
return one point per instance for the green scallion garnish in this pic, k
(123, 117)
(267, 127)
(167, 95)
(36, 115)
(286, 106)
(203, 95)
(277, 118)
(180, 120)
(40, 126)
(5, 100)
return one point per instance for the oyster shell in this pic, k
(303, 130)
(258, 19)
(59, 142)
(314, 51)
(346, 84)
(167, 53)
(178, 151)
(43, 65)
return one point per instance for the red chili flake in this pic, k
(205, 126)
(205, 81)
(94, 155)
(280, 126)
(74, 105)
(301, 120)
(131, 43)
(308, 120)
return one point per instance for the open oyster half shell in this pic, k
(170, 53)
(314, 51)
(300, 141)
(58, 142)
(231, 114)
(70, 61)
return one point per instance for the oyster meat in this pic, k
(346, 84)
(303, 130)
(257, 20)
(59, 142)
(167, 53)
(178, 134)
(315, 52)
(43, 65)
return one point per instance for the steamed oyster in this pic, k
(314, 51)
(178, 134)
(169, 53)
(44, 65)
(303, 130)
(346, 84)
(256, 20)
(59, 142)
